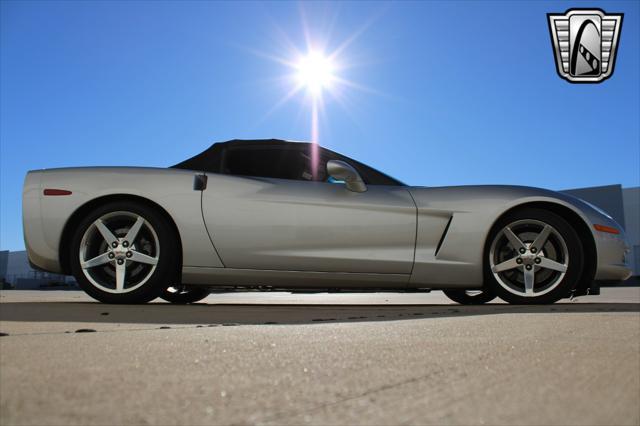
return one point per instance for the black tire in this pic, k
(464, 298)
(157, 278)
(184, 295)
(559, 286)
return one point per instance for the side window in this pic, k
(369, 175)
(272, 162)
(294, 163)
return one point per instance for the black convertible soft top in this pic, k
(212, 159)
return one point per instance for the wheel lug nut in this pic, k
(519, 261)
(533, 249)
(125, 244)
(111, 255)
(538, 260)
(114, 244)
(522, 250)
(129, 254)
(528, 267)
(120, 261)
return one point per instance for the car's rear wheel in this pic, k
(124, 252)
(184, 294)
(534, 256)
(470, 297)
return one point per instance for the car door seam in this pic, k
(415, 237)
(206, 228)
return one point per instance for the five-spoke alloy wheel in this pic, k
(534, 256)
(123, 253)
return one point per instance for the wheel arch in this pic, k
(80, 212)
(579, 225)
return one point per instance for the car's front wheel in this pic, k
(534, 256)
(470, 297)
(124, 252)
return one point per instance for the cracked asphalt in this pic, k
(282, 358)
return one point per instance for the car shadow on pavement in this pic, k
(238, 314)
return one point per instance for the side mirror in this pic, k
(340, 170)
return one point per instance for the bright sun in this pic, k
(315, 72)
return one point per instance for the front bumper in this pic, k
(613, 262)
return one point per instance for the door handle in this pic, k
(199, 182)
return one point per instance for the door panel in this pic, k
(280, 224)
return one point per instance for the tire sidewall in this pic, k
(166, 268)
(574, 247)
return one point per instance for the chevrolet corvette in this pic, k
(273, 214)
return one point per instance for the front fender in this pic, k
(456, 260)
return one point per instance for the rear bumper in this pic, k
(40, 254)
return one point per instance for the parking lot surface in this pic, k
(338, 358)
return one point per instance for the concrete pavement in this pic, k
(280, 358)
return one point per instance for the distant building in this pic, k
(4, 261)
(631, 197)
(21, 276)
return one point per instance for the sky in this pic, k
(432, 93)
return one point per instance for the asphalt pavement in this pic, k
(338, 358)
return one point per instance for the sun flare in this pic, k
(318, 71)
(315, 72)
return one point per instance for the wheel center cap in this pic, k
(120, 251)
(120, 254)
(529, 257)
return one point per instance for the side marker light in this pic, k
(607, 229)
(56, 192)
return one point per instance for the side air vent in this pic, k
(444, 234)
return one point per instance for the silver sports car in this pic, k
(272, 214)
